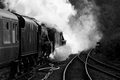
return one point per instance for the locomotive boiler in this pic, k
(24, 44)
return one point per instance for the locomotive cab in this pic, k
(63, 41)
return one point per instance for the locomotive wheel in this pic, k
(44, 59)
(13, 70)
(27, 64)
(34, 60)
(40, 61)
(18, 70)
(22, 66)
(37, 61)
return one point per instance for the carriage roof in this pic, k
(7, 14)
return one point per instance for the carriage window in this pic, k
(16, 29)
(14, 33)
(6, 25)
(6, 32)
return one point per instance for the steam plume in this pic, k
(79, 27)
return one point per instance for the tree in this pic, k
(2, 5)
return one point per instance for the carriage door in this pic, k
(6, 32)
(15, 44)
(7, 51)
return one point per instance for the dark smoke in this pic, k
(108, 18)
(2, 5)
(110, 26)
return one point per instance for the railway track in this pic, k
(25, 76)
(85, 67)
(75, 70)
(30, 74)
(43, 73)
(104, 64)
(100, 69)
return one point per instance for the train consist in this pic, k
(24, 44)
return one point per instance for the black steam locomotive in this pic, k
(24, 44)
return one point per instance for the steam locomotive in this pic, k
(24, 44)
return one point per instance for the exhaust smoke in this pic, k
(79, 26)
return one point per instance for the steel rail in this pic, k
(67, 66)
(98, 69)
(86, 62)
(117, 69)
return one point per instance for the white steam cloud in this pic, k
(81, 33)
